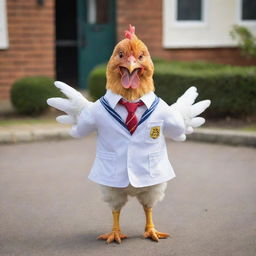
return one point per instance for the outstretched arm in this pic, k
(185, 114)
(77, 109)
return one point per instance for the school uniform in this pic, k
(122, 158)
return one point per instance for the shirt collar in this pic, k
(148, 99)
(114, 98)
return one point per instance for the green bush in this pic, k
(29, 94)
(97, 82)
(231, 89)
(246, 40)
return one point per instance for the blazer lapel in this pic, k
(118, 118)
(112, 112)
(148, 112)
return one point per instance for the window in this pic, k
(97, 11)
(3, 26)
(205, 23)
(248, 10)
(198, 23)
(189, 10)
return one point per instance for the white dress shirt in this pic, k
(113, 100)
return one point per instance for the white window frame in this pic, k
(4, 41)
(210, 33)
(240, 21)
(190, 23)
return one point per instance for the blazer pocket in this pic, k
(156, 163)
(154, 131)
(106, 163)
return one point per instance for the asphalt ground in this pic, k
(49, 207)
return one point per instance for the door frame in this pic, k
(81, 37)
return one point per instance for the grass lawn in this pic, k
(22, 121)
(14, 119)
(249, 129)
(50, 120)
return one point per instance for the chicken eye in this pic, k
(121, 55)
(141, 57)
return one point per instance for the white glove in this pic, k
(189, 112)
(72, 106)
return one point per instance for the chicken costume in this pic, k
(131, 124)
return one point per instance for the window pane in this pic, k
(91, 11)
(98, 11)
(102, 11)
(249, 9)
(189, 9)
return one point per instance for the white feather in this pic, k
(189, 96)
(147, 196)
(182, 137)
(197, 121)
(72, 106)
(189, 130)
(65, 119)
(199, 107)
(189, 111)
(60, 104)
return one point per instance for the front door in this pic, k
(96, 32)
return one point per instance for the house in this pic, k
(66, 39)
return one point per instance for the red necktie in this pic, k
(131, 120)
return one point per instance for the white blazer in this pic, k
(121, 159)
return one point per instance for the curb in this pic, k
(33, 136)
(228, 137)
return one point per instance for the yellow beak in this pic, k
(132, 66)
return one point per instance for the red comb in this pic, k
(129, 33)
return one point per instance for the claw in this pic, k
(111, 238)
(154, 234)
(116, 236)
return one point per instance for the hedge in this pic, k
(29, 94)
(231, 89)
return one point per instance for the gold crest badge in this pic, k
(155, 132)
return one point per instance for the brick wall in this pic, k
(147, 17)
(31, 42)
(31, 39)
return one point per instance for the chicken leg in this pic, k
(115, 234)
(150, 231)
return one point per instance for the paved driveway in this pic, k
(48, 207)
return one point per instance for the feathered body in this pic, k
(130, 76)
(131, 46)
(147, 196)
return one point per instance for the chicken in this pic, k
(130, 82)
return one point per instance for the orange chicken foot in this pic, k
(150, 231)
(115, 234)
